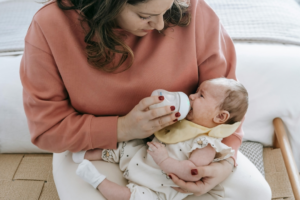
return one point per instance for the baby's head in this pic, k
(218, 101)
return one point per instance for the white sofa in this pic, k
(270, 72)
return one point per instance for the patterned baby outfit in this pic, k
(146, 179)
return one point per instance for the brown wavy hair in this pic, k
(101, 16)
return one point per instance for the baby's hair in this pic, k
(235, 101)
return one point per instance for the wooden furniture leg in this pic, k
(282, 141)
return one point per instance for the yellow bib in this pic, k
(186, 130)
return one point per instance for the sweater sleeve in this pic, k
(53, 123)
(216, 55)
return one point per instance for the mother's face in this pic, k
(141, 18)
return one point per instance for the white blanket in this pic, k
(245, 20)
(15, 18)
(260, 20)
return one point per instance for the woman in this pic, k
(87, 81)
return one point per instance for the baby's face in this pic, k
(205, 103)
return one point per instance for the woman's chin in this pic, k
(139, 33)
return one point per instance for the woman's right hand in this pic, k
(141, 122)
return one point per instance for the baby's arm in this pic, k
(182, 169)
(93, 154)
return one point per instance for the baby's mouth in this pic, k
(190, 107)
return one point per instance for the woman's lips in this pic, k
(147, 30)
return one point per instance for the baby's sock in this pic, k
(88, 172)
(78, 157)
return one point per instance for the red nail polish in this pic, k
(172, 108)
(170, 176)
(177, 114)
(175, 120)
(194, 172)
(161, 98)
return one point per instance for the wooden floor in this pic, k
(29, 176)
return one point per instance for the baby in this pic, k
(217, 108)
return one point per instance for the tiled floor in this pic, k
(29, 176)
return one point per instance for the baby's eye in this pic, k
(201, 96)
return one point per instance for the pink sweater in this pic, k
(72, 106)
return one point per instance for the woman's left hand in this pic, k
(210, 175)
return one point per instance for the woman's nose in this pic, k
(158, 23)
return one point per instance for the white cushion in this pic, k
(14, 133)
(245, 179)
(271, 73)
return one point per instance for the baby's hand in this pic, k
(158, 152)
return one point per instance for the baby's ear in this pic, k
(221, 117)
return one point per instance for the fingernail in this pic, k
(177, 114)
(161, 98)
(175, 120)
(194, 172)
(172, 108)
(170, 176)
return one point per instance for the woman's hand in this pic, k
(210, 175)
(141, 122)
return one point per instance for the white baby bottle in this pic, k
(178, 99)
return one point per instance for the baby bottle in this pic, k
(178, 99)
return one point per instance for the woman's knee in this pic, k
(246, 182)
(247, 188)
(261, 191)
(258, 189)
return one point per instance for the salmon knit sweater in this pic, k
(72, 106)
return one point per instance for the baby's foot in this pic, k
(78, 156)
(88, 172)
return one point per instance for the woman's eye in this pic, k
(201, 96)
(144, 18)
